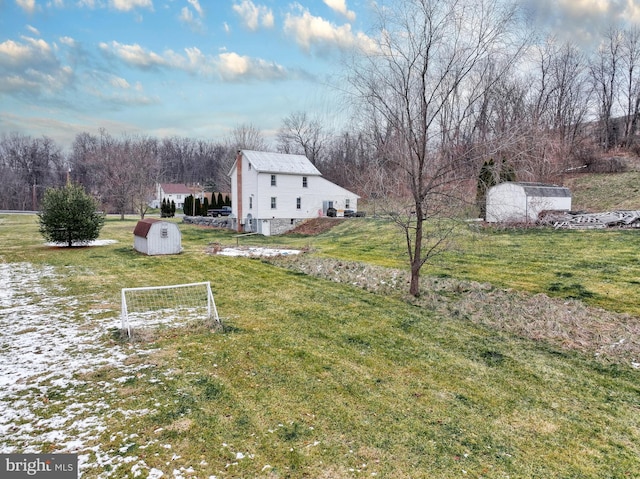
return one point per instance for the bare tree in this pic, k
(27, 167)
(145, 173)
(84, 170)
(302, 135)
(554, 98)
(247, 137)
(604, 70)
(630, 90)
(431, 58)
(123, 171)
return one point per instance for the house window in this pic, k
(346, 204)
(164, 232)
(305, 183)
(250, 202)
(249, 166)
(298, 203)
(178, 197)
(273, 202)
(273, 180)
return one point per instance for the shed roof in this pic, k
(542, 190)
(267, 162)
(143, 226)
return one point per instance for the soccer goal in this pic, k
(167, 305)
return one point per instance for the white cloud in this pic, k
(134, 55)
(28, 6)
(30, 51)
(232, 66)
(196, 6)
(582, 21)
(188, 18)
(118, 82)
(33, 30)
(186, 15)
(311, 31)
(225, 66)
(30, 66)
(340, 6)
(114, 91)
(254, 15)
(128, 5)
(68, 41)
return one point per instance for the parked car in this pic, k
(224, 211)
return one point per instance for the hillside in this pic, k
(600, 192)
(605, 192)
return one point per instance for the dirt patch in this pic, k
(316, 226)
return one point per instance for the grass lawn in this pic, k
(312, 378)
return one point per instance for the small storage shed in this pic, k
(154, 237)
(512, 202)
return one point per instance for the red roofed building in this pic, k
(176, 192)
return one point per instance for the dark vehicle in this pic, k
(349, 213)
(224, 211)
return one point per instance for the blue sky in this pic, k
(191, 68)
(197, 68)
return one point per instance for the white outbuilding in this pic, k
(154, 237)
(513, 202)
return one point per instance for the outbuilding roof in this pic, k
(543, 190)
(267, 162)
(143, 226)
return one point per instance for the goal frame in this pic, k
(212, 311)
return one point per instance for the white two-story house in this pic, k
(272, 192)
(177, 192)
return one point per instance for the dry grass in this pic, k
(565, 323)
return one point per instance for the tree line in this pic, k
(542, 108)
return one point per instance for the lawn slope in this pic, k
(318, 379)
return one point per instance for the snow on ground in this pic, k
(257, 251)
(44, 345)
(90, 243)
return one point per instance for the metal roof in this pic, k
(541, 190)
(266, 162)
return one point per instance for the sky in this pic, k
(200, 68)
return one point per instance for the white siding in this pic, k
(289, 188)
(289, 170)
(163, 238)
(513, 202)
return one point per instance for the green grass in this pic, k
(606, 192)
(600, 267)
(322, 380)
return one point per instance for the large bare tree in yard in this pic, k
(420, 83)
(302, 134)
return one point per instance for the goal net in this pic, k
(167, 305)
